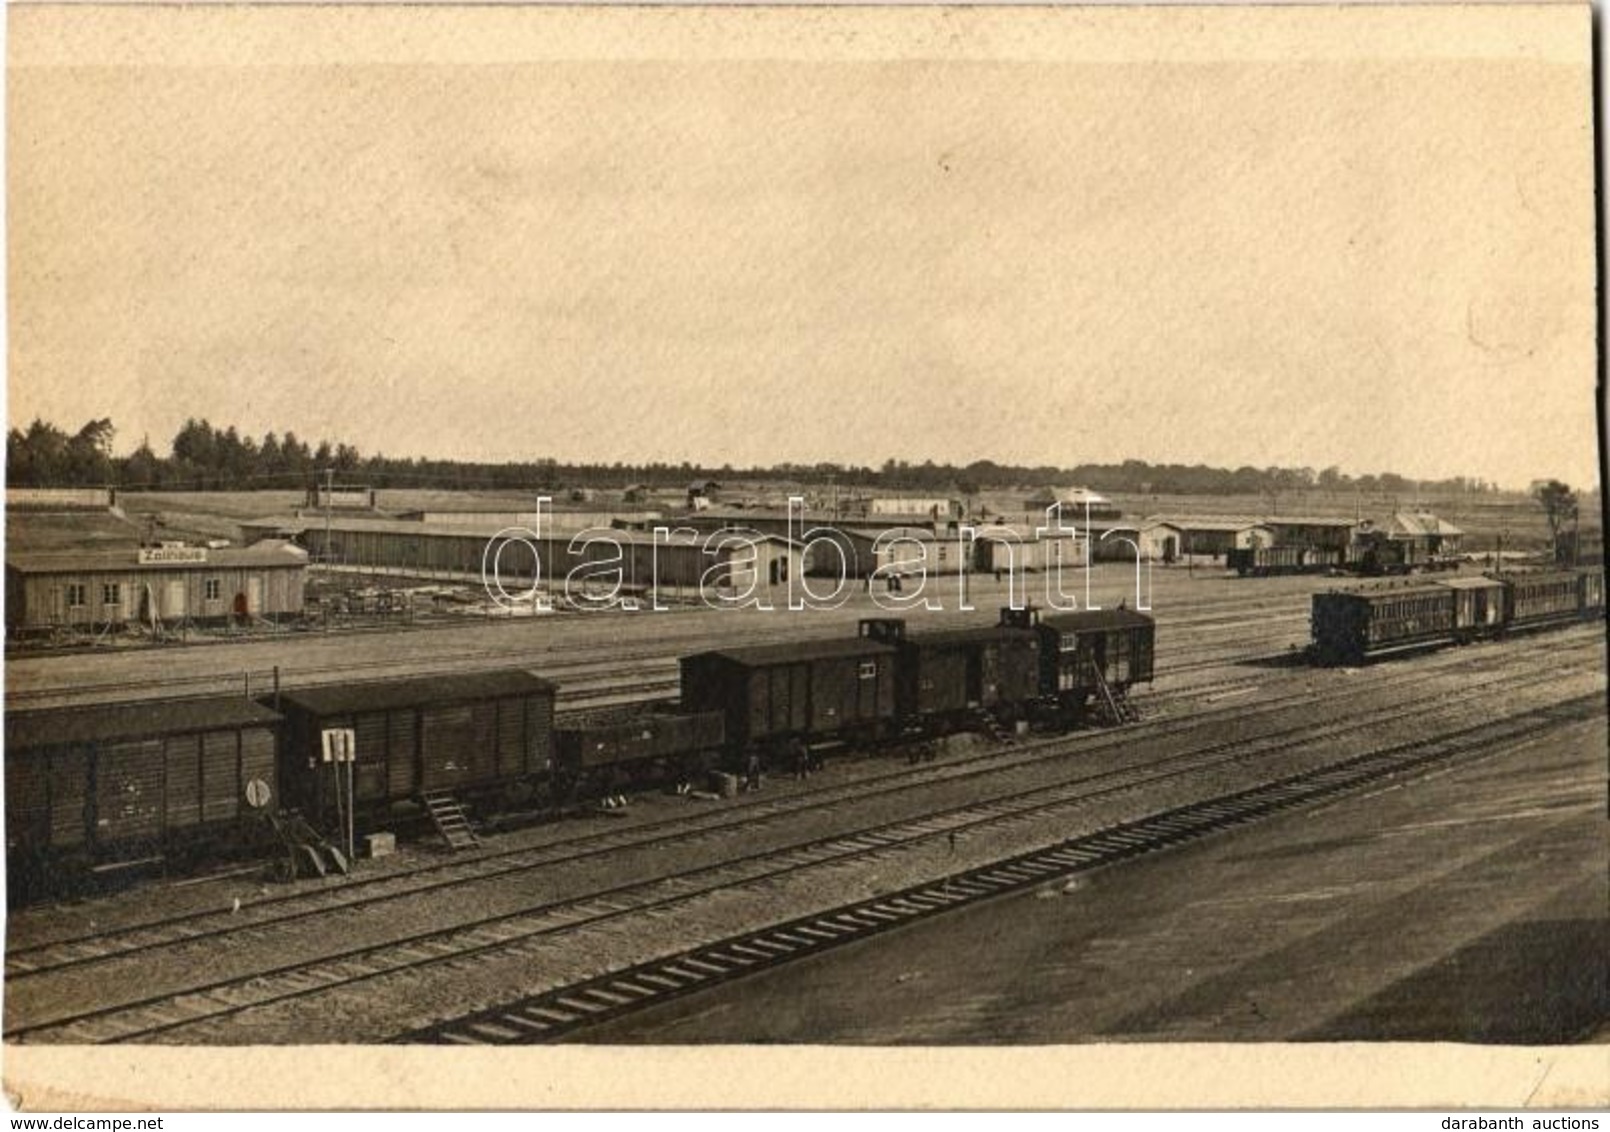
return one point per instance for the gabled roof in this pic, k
(267, 553)
(1422, 523)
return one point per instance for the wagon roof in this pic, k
(1386, 593)
(1472, 583)
(102, 722)
(787, 653)
(1086, 619)
(939, 637)
(379, 695)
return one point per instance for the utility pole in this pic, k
(329, 493)
(324, 551)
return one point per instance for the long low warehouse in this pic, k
(679, 561)
(92, 588)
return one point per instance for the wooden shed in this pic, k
(154, 585)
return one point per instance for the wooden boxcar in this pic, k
(1348, 626)
(471, 735)
(1081, 650)
(943, 674)
(815, 690)
(1543, 598)
(597, 752)
(105, 785)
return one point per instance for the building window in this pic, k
(112, 593)
(77, 595)
(869, 670)
(214, 589)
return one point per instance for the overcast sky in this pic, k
(1384, 265)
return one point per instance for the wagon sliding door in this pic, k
(370, 777)
(403, 753)
(128, 792)
(782, 700)
(446, 739)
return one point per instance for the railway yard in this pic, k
(1268, 850)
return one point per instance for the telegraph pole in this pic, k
(329, 492)
(329, 495)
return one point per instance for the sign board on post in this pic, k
(340, 745)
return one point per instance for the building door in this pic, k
(173, 603)
(240, 607)
(254, 595)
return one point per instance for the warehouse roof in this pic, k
(421, 529)
(36, 531)
(1307, 521)
(1187, 523)
(102, 722)
(1014, 532)
(378, 695)
(761, 656)
(266, 554)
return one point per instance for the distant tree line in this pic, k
(203, 457)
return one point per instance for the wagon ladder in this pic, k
(450, 820)
(1119, 709)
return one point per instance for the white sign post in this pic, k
(341, 746)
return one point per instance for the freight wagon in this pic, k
(474, 736)
(1090, 655)
(1264, 561)
(946, 675)
(602, 753)
(90, 789)
(809, 690)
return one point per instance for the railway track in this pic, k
(516, 934)
(557, 1013)
(23, 962)
(557, 659)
